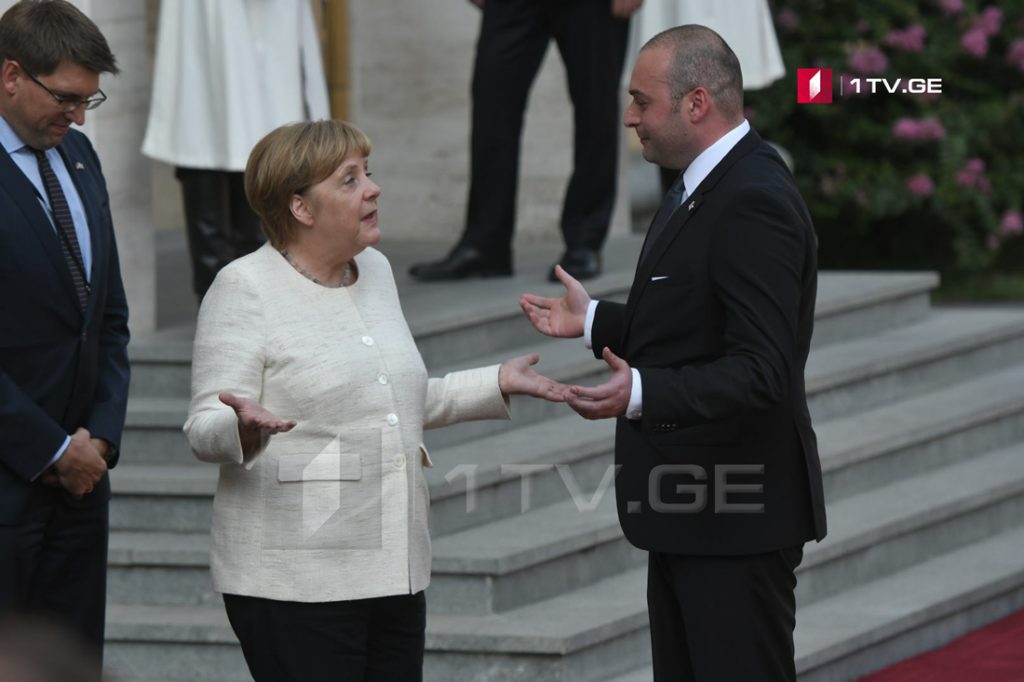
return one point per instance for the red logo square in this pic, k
(814, 86)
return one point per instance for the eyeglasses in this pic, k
(69, 103)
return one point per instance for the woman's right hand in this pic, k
(255, 422)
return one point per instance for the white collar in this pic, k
(706, 161)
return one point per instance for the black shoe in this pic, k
(580, 263)
(462, 262)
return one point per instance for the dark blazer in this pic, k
(59, 368)
(718, 323)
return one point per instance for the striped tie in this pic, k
(65, 228)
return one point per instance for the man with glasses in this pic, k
(63, 321)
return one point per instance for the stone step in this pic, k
(537, 555)
(873, 448)
(582, 635)
(550, 550)
(850, 305)
(888, 529)
(174, 498)
(946, 347)
(858, 452)
(842, 379)
(874, 625)
(160, 568)
(644, 674)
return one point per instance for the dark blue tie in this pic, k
(65, 228)
(673, 199)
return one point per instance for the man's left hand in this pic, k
(609, 399)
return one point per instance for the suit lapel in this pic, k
(23, 193)
(683, 215)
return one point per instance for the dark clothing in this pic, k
(221, 226)
(720, 478)
(360, 640)
(723, 618)
(514, 35)
(61, 368)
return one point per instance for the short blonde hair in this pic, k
(291, 159)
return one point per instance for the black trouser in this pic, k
(53, 563)
(221, 224)
(361, 640)
(723, 618)
(514, 36)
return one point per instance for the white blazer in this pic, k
(338, 507)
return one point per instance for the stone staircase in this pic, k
(920, 420)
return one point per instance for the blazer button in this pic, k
(382, 378)
(399, 461)
(392, 419)
(367, 340)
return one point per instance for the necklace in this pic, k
(347, 277)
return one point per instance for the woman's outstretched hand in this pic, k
(516, 375)
(255, 422)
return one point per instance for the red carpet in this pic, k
(992, 654)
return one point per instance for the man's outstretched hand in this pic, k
(609, 399)
(563, 317)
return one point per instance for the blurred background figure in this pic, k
(746, 25)
(591, 36)
(227, 72)
(35, 650)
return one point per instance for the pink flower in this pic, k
(990, 21)
(910, 39)
(975, 43)
(920, 185)
(1015, 55)
(788, 19)
(918, 130)
(1011, 224)
(869, 61)
(965, 179)
(975, 166)
(972, 175)
(952, 7)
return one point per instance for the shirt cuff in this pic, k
(588, 323)
(635, 408)
(58, 455)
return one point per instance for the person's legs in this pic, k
(245, 232)
(592, 43)
(514, 35)
(397, 638)
(738, 614)
(670, 654)
(207, 224)
(53, 565)
(298, 642)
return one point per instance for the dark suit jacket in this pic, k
(59, 369)
(720, 339)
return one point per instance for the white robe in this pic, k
(227, 72)
(745, 24)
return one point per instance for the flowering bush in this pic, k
(906, 179)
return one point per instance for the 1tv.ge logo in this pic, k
(814, 86)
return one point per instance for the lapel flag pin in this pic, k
(79, 165)
(692, 204)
